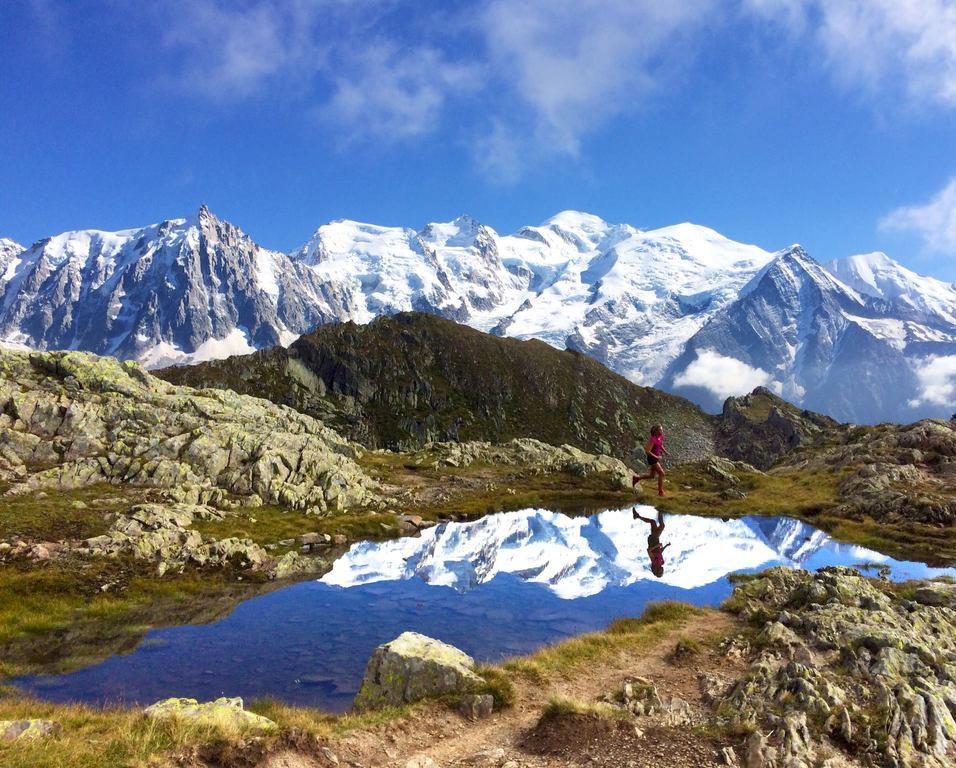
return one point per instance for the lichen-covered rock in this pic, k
(90, 419)
(413, 667)
(534, 454)
(224, 713)
(845, 662)
(640, 697)
(11, 730)
(293, 564)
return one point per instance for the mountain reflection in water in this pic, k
(500, 586)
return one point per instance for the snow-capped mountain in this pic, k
(178, 291)
(193, 289)
(876, 274)
(681, 307)
(628, 298)
(818, 342)
(579, 556)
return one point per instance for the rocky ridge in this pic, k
(400, 382)
(890, 473)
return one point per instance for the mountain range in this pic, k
(683, 307)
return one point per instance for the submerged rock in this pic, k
(413, 667)
(223, 713)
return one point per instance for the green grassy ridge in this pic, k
(404, 380)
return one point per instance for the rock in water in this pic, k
(223, 712)
(413, 667)
(11, 730)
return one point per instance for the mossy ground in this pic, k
(566, 657)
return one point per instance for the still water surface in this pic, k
(500, 586)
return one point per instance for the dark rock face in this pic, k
(403, 381)
(761, 428)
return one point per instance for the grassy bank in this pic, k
(811, 497)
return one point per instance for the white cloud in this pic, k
(724, 376)
(540, 76)
(575, 65)
(393, 93)
(879, 45)
(934, 221)
(231, 51)
(937, 379)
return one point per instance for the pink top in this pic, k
(657, 445)
(657, 555)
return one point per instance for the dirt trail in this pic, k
(501, 741)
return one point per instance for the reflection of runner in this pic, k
(655, 452)
(655, 550)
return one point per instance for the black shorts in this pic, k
(651, 459)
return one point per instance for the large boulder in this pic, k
(413, 667)
(224, 713)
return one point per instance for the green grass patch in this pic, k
(58, 515)
(498, 685)
(566, 657)
(55, 616)
(562, 706)
(323, 724)
(94, 738)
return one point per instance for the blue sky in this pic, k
(832, 124)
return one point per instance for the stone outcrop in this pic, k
(224, 713)
(11, 730)
(161, 534)
(413, 667)
(891, 473)
(69, 419)
(845, 666)
(534, 454)
(761, 428)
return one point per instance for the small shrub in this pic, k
(499, 685)
(685, 650)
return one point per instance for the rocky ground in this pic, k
(129, 502)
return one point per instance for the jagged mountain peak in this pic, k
(796, 268)
(10, 246)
